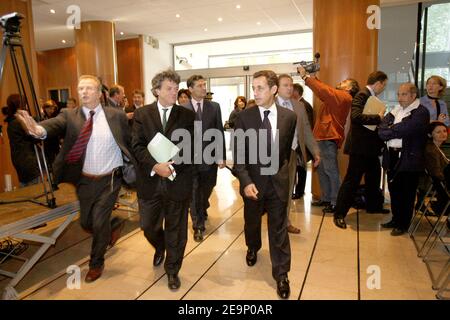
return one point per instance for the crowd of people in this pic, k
(90, 144)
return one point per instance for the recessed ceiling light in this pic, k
(177, 15)
(52, 11)
(63, 41)
(121, 33)
(238, 6)
(258, 23)
(206, 29)
(220, 19)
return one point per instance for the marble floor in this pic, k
(362, 262)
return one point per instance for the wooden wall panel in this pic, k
(129, 66)
(347, 47)
(57, 69)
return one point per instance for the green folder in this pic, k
(162, 149)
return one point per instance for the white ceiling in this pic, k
(158, 18)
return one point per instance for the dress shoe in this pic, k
(320, 203)
(198, 235)
(173, 281)
(329, 209)
(94, 273)
(251, 258)
(292, 229)
(283, 288)
(116, 229)
(379, 211)
(397, 232)
(340, 223)
(388, 225)
(158, 258)
(297, 196)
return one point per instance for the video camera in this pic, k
(311, 66)
(11, 23)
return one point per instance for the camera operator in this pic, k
(329, 131)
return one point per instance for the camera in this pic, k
(11, 23)
(311, 66)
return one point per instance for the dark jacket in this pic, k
(23, 155)
(248, 173)
(413, 131)
(147, 123)
(362, 140)
(68, 124)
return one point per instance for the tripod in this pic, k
(11, 41)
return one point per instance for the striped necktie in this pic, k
(79, 148)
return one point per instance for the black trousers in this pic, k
(402, 188)
(204, 182)
(360, 165)
(159, 211)
(299, 188)
(279, 245)
(97, 199)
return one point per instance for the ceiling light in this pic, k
(121, 33)
(238, 6)
(177, 15)
(52, 11)
(220, 19)
(258, 23)
(206, 29)
(63, 41)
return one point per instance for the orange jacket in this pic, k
(330, 124)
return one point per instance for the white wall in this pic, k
(155, 61)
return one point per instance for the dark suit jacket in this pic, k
(413, 131)
(23, 155)
(147, 123)
(251, 173)
(435, 162)
(211, 119)
(68, 124)
(361, 140)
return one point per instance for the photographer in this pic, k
(329, 131)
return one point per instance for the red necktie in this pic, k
(80, 145)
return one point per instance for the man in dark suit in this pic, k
(405, 130)
(208, 114)
(164, 189)
(96, 147)
(265, 186)
(364, 147)
(116, 96)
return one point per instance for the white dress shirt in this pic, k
(288, 105)
(103, 154)
(399, 113)
(273, 118)
(161, 112)
(195, 104)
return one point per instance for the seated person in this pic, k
(437, 163)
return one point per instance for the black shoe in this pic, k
(158, 258)
(198, 235)
(297, 196)
(397, 232)
(173, 281)
(329, 209)
(320, 203)
(379, 211)
(283, 288)
(388, 225)
(340, 223)
(251, 258)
